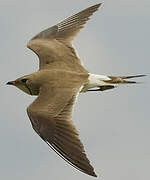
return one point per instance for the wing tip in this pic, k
(94, 174)
(95, 7)
(90, 172)
(98, 5)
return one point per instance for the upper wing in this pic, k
(54, 44)
(50, 115)
(68, 28)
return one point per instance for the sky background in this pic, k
(114, 125)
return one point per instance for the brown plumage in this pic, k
(54, 45)
(50, 113)
(51, 117)
(57, 83)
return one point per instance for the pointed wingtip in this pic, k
(93, 7)
(92, 174)
(97, 5)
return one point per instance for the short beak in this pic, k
(11, 83)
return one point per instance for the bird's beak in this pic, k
(11, 83)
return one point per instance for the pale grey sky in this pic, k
(114, 126)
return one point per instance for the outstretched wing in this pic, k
(68, 28)
(54, 44)
(50, 115)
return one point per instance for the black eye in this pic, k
(24, 80)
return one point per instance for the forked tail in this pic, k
(102, 83)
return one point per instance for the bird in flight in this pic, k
(60, 78)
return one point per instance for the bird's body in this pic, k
(57, 83)
(55, 78)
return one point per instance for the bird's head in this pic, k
(26, 84)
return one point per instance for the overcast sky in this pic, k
(114, 125)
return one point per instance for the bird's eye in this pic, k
(24, 80)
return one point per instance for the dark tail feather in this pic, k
(103, 88)
(121, 79)
(128, 77)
